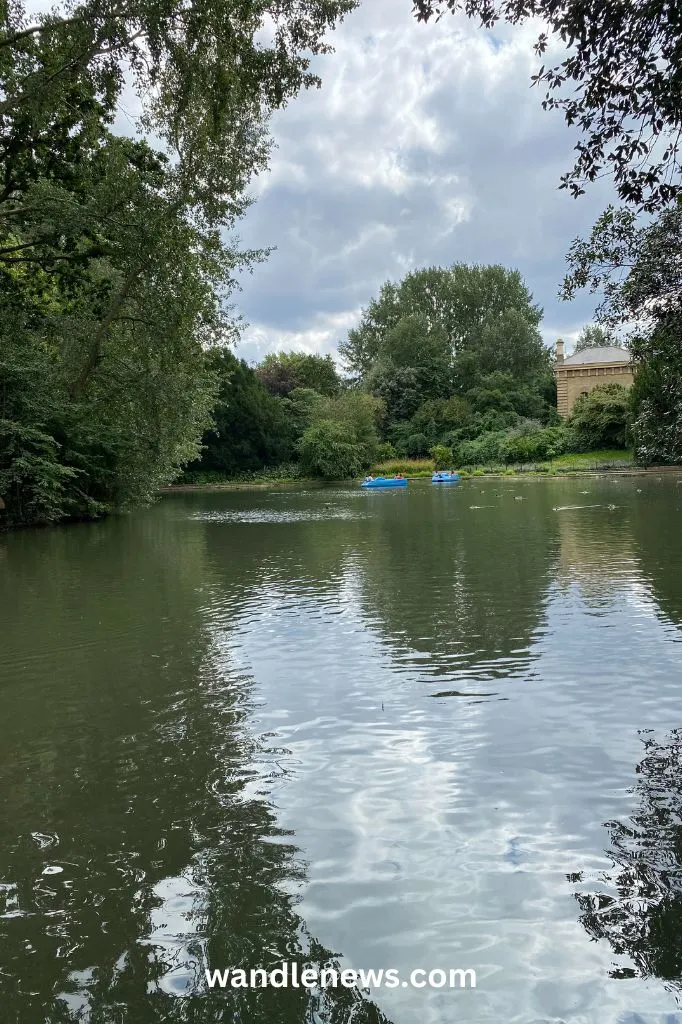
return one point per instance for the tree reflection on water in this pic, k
(641, 912)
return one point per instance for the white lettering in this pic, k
(456, 973)
(217, 978)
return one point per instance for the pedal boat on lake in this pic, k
(445, 476)
(384, 481)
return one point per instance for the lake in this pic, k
(433, 728)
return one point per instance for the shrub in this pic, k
(384, 451)
(529, 443)
(601, 419)
(442, 456)
(330, 450)
(416, 445)
(485, 450)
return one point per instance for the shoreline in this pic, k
(530, 474)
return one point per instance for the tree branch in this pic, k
(15, 248)
(94, 356)
(10, 40)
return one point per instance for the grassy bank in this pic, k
(210, 479)
(583, 462)
(606, 460)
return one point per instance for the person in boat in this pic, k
(399, 476)
(368, 479)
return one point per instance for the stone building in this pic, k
(585, 370)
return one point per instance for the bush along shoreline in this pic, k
(579, 463)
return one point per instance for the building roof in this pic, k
(606, 354)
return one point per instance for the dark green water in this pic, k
(434, 729)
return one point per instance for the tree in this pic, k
(282, 372)
(594, 336)
(361, 413)
(104, 356)
(437, 315)
(330, 450)
(442, 456)
(114, 270)
(203, 72)
(451, 351)
(620, 83)
(416, 306)
(638, 271)
(417, 445)
(601, 418)
(251, 429)
(302, 407)
(400, 390)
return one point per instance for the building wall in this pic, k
(573, 381)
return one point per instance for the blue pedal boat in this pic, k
(445, 476)
(385, 481)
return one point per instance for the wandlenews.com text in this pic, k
(292, 975)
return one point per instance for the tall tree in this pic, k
(466, 320)
(251, 429)
(595, 336)
(202, 71)
(282, 372)
(620, 82)
(113, 259)
(103, 351)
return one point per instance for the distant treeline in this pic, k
(448, 362)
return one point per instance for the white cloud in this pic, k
(425, 145)
(321, 338)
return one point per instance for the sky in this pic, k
(426, 145)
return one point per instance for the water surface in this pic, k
(433, 728)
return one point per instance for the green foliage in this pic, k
(657, 400)
(361, 414)
(416, 445)
(452, 353)
(302, 407)
(205, 75)
(529, 442)
(114, 269)
(283, 372)
(385, 451)
(407, 467)
(329, 449)
(513, 398)
(399, 388)
(442, 456)
(137, 421)
(251, 428)
(470, 320)
(595, 336)
(436, 416)
(342, 438)
(281, 473)
(601, 418)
